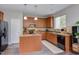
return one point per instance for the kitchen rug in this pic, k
(52, 48)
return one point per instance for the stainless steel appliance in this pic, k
(3, 35)
(61, 41)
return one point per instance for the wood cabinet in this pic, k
(43, 35)
(1, 15)
(30, 20)
(30, 43)
(41, 22)
(68, 43)
(51, 37)
(50, 22)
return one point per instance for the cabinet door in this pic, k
(40, 23)
(52, 38)
(26, 23)
(48, 37)
(43, 35)
(50, 22)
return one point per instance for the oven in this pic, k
(61, 41)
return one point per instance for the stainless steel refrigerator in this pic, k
(3, 35)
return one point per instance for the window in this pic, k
(60, 22)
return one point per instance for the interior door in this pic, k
(15, 30)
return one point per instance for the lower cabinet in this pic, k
(49, 36)
(43, 35)
(52, 38)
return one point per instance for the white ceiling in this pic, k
(31, 10)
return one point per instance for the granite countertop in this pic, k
(58, 33)
(61, 33)
(31, 35)
(53, 32)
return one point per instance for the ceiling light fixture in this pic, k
(25, 17)
(35, 18)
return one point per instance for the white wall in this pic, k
(15, 25)
(72, 13)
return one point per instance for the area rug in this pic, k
(52, 48)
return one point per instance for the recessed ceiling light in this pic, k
(25, 18)
(35, 18)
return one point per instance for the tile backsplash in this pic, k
(69, 29)
(66, 29)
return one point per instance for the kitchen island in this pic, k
(30, 43)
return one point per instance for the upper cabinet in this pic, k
(50, 22)
(40, 23)
(28, 21)
(1, 15)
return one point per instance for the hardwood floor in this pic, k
(14, 50)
